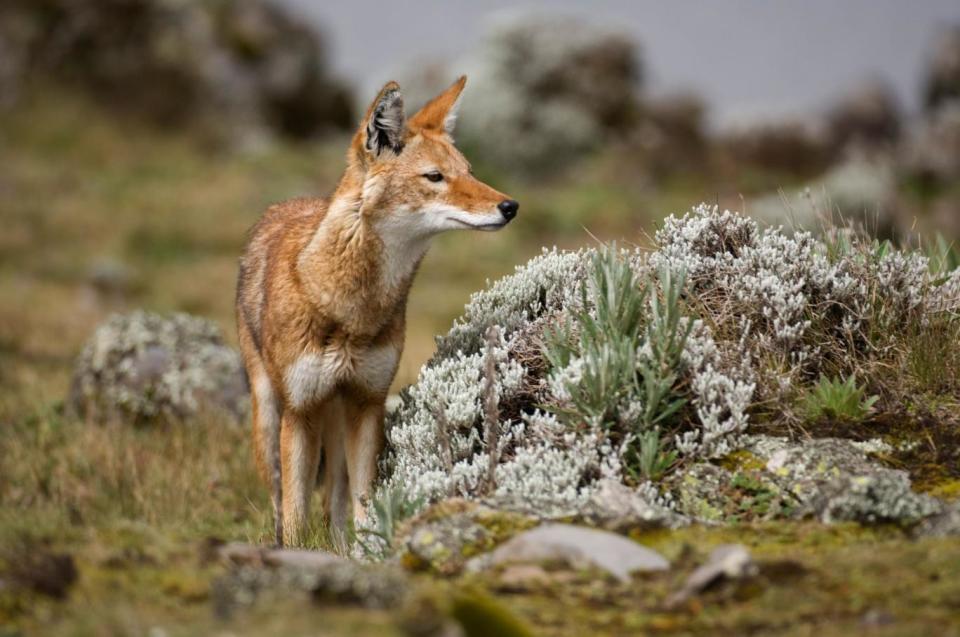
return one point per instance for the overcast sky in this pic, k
(747, 58)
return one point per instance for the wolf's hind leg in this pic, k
(266, 441)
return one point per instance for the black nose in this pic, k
(508, 208)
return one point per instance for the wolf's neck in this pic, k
(359, 264)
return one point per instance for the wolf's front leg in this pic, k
(364, 441)
(336, 493)
(299, 459)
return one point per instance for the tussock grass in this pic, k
(60, 476)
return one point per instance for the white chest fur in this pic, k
(314, 375)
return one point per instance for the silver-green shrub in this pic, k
(762, 314)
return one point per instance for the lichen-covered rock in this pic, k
(885, 496)
(231, 66)
(830, 479)
(548, 88)
(834, 480)
(144, 367)
(712, 494)
(445, 536)
(339, 582)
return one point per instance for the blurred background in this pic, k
(140, 139)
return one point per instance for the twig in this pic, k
(443, 434)
(491, 407)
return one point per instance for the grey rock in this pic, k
(145, 367)
(727, 562)
(256, 573)
(617, 507)
(829, 479)
(442, 537)
(518, 578)
(578, 547)
(943, 524)
(111, 278)
(834, 480)
(239, 553)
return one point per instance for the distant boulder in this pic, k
(930, 168)
(859, 190)
(943, 75)
(545, 89)
(867, 117)
(932, 151)
(145, 367)
(235, 67)
(672, 136)
(798, 147)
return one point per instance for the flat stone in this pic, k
(578, 547)
(944, 524)
(616, 507)
(727, 562)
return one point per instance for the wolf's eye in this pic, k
(434, 176)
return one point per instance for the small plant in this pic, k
(389, 509)
(944, 256)
(601, 343)
(624, 348)
(647, 458)
(837, 399)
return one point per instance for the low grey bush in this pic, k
(614, 364)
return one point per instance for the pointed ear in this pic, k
(383, 127)
(440, 113)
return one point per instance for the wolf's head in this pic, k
(415, 181)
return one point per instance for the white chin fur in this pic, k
(445, 217)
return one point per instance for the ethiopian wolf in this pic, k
(321, 299)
